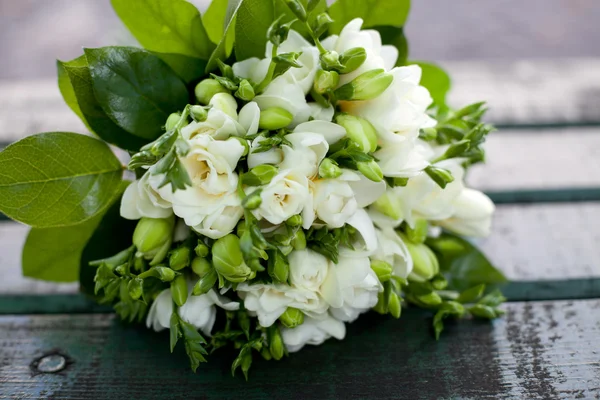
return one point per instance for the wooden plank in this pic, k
(539, 350)
(528, 242)
(518, 92)
(530, 92)
(529, 159)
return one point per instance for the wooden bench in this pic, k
(543, 171)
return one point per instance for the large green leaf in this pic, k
(57, 179)
(188, 68)
(253, 20)
(112, 235)
(80, 81)
(166, 26)
(54, 254)
(213, 20)
(436, 80)
(463, 264)
(225, 46)
(135, 88)
(373, 12)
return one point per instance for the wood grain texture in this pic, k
(518, 92)
(540, 350)
(528, 242)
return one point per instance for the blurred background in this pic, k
(33, 33)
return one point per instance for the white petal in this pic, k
(249, 117)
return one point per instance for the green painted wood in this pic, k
(81, 304)
(564, 195)
(540, 350)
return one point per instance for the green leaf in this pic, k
(92, 114)
(394, 36)
(135, 88)
(373, 12)
(165, 26)
(66, 87)
(53, 254)
(57, 179)
(463, 264)
(436, 80)
(253, 20)
(188, 68)
(225, 46)
(471, 294)
(112, 235)
(213, 20)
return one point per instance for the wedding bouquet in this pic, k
(292, 170)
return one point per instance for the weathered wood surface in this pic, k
(540, 350)
(528, 242)
(520, 92)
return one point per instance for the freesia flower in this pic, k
(472, 215)
(313, 332)
(141, 200)
(285, 196)
(392, 250)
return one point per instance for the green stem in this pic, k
(270, 72)
(315, 39)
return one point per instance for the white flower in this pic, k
(365, 239)
(308, 270)
(199, 311)
(283, 197)
(399, 112)
(392, 250)
(223, 121)
(141, 200)
(333, 202)
(211, 205)
(313, 332)
(272, 156)
(268, 302)
(472, 215)
(423, 198)
(404, 159)
(357, 286)
(309, 145)
(289, 90)
(378, 56)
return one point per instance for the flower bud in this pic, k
(483, 311)
(294, 221)
(260, 175)
(265, 353)
(152, 238)
(428, 134)
(292, 317)
(252, 201)
(439, 175)
(298, 9)
(135, 287)
(418, 234)
(389, 206)
(371, 170)
(201, 249)
(321, 24)
(275, 342)
(330, 61)
(206, 89)
(226, 103)
(179, 291)
(425, 263)
(439, 283)
(382, 269)
(201, 266)
(172, 121)
(229, 261)
(205, 283)
(199, 113)
(360, 131)
(328, 169)
(326, 80)
(245, 91)
(179, 258)
(366, 86)
(430, 299)
(243, 142)
(275, 118)
(163, 273)
(380, 307)
(394, 305)
(352, 59)
(279, 268)
(299, 240)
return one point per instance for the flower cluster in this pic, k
(302, 190)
